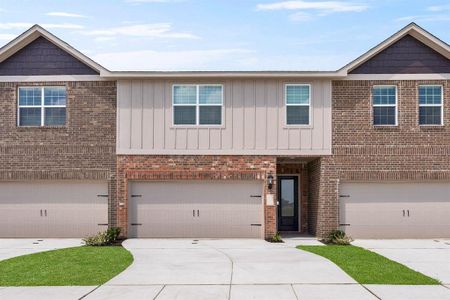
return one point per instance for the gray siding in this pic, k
(406, 56)
(254, 118)
(41, 57)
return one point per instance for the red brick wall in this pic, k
(362, 152)
(193, 167)
(83, 149)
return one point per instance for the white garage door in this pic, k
(53, 209)
(196, 209)
(395, 210)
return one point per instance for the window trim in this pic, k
(42, 106)
(385, 105)
(309, 85)
(431, 105)
(197, 105)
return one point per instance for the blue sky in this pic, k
(223, 34)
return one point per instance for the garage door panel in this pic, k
(52, 209)
(196, 209)
(395, 210)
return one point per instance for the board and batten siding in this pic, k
(253, 120)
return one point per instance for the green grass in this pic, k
(72, 266)
(367, 267)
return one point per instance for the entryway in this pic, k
(288, 203)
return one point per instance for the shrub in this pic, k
(276, 238)
(103, 238)
(338, 237)
(100, 239)
(112, 234)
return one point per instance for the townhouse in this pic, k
(225, 154)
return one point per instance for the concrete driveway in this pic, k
(430, 257)
(16, 247)
(227, 269)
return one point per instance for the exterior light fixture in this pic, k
(270, 181)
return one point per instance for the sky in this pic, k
(155, 35)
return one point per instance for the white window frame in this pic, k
(297, 104)
(432, 105)
(197, 105)
(42, 106)
(385, 105)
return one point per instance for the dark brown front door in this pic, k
(288, 203)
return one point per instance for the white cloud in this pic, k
(438, 8)
(174, 60)
(425, 18)
(7, 36)
(152, 1)
(323, 6)
(65, 14)
(301, 17)
(157, 30)
(20, 25)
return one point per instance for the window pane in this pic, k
(384, 115)
(210, 115)
(430, 115)
(383, 95)
(185, 94)
(297, 94)
(184, 115)
(30, 116)
(30, 96)
(430, 95)
(297, 115)
(55, 116)
(210, 94)
(55, 96)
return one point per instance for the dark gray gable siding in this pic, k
(41, 57)
(406, 56)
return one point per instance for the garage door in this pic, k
(395, 210)
(196, 209)
(53, 209)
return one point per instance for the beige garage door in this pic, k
(395, 210)
(196, 209)
(53, 209)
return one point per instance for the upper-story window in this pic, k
(197, 104)
(42, 106)
(298, 104)
(384, 101)
(430, 105)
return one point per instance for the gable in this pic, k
(406, 56)
(42, 57)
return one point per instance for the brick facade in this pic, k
(194, 167)
(83, 149)
(362, 152)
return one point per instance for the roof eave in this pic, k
(221, 74)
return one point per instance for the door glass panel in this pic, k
(287, 198)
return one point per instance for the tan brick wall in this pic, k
(83, 149)
(362, 152)
(193, 167)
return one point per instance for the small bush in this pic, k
(100, 239)
(103, 238)
(112, 234)
(276, 238)
(338, 237)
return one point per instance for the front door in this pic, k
(288, 203)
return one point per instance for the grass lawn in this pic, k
(368, 267)
(72, 266)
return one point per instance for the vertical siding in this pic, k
(253, 120)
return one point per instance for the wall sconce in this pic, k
(270, 181)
